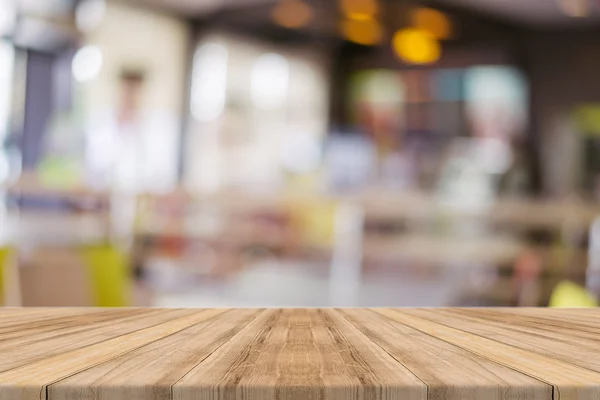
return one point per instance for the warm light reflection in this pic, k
(432, 21)
(292, 14)
(359, 9)
(366, 32)
(416, 46)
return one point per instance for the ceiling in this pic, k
(530, 12)
(197, 8)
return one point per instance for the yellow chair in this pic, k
(570, 295)
(4, 254)
(110, 275)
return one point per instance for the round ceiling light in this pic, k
(87, 64)
(432, 21)
(292, 14)
(365, 31)
(358, 9)
(416, 46)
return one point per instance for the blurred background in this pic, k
(291, 153)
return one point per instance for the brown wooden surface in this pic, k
(135, 353)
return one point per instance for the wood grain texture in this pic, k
(300, 354)
(255, 354)
(569, 381)
(449, 371)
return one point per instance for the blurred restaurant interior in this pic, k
(299, 153)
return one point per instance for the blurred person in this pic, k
(131, 147)
(130, 162)
(497, 132)
(114, 151)
(379, 111)
(516, 180)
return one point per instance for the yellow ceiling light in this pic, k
(292, 14)
(416, 46)
(432, 21)
(359, 9)
(366, 31)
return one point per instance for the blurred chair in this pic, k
(571, 295)
(4, 255)
(9, 277)
(90, 275)
(53, 276)
(110, 275)
(65, 250)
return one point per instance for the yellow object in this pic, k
(587, 119)
(365, 31)
(359, 9)
(315, 221)
(109, 275)
(416, 46)
(292, 14)
(4, 253)
(57, 173)
(570, 295)
(432, 21)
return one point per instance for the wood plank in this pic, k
(29, 382)
(13, 320)
(559, 346)
(570, 382)
(16, 356)
(34, 331)
(300, 354)
(539, 323)
(585, 318)
(148, 372)
(450, 372)
(186, 354)
(23, 312)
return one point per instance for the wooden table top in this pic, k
(411, 354)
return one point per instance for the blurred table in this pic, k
(76, 353)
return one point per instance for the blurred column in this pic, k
(346, 264)
(38, 105)
(593, 269)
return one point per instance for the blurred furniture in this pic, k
(299, 353)
(570, 295)
(54, 276)
(4, 270)
(64, 249)
(389, 228)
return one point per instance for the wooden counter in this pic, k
(299, 354)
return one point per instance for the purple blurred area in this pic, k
(298, 152)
